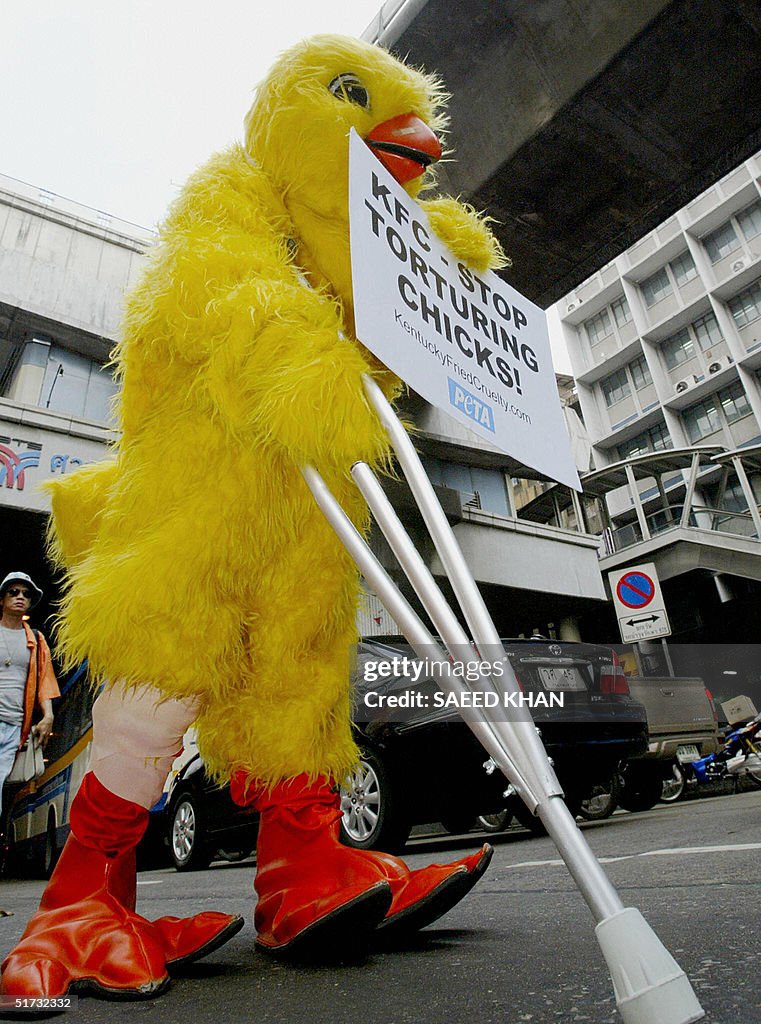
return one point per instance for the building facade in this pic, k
(665, 341)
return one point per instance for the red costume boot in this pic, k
(315, 892)
(86, 935)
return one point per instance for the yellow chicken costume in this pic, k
(202, 582)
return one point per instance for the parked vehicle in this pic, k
(201, 822)
(740, 756)
(430, 768)
(683, 726)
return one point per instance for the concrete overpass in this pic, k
(580, 125)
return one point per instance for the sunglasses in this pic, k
(15, 591)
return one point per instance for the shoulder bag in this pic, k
(29, 763)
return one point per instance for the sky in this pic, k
(114, 104)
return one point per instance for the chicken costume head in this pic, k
(202, 582)
(298, 132)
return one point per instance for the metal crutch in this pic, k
(649, 985)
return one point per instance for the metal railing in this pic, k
(703, 517)
(470, 500)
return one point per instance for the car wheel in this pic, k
(673, 785)
(234, 856)
(494, 822)
(753, 767)
(602, 800)
(371, 816)
(524, 816)
(457, 824)
(534, 824)
(641, 789)
(186, 845)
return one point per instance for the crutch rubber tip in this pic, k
(650, 986)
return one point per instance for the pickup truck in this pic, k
(682, 725)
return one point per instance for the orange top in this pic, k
(48, 684)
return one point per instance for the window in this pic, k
(659, 437)
(640, 373)
(678, 349)
(681, 346)
(486, 486)
(635, 446)
(599, 328)
(656, 287)
(704, 418)
(31, 351)
(721, 242)
(621, 311)
(77, 386)
(701, 419)
(615, 387)
(707, 331)
(734, 402)
(746, 306)
(653, 440)
(683, 268)
(750, 220)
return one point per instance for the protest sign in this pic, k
(466, 341)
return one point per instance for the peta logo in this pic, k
(473, 407)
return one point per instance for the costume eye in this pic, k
(348, 87)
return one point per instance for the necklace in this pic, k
(9, 659)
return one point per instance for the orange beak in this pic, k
(405, 145)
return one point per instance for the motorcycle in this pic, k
(740, 755)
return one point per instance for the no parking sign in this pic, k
(640, 608)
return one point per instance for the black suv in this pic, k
(429, 767)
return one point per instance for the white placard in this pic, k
(468, 343)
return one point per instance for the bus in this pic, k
(37, 813)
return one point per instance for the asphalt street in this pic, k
(520, 948)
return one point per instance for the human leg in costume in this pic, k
(309, 884)
(292, 724)
(289, 738)
(86, 934)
